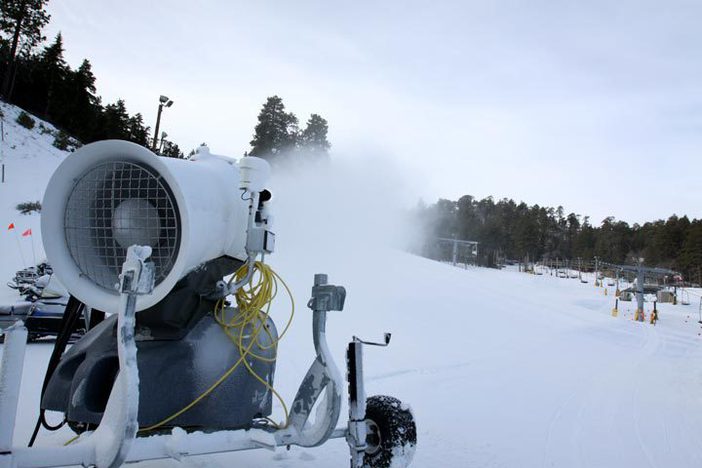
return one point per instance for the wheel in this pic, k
(392, 433)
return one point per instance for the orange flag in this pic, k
(26, 233)
(11, 226)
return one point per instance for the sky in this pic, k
(593, 105)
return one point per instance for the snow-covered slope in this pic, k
(502, 369)
(30, 158)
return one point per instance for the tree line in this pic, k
(506, 229)
(35, 76)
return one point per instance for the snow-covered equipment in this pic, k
(112, 194)
(45, 317)
(42, 306)
(46, 286)
(664, 296)
(29, 276)
(151, 240)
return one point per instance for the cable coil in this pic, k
(249, 320)
(244, 329)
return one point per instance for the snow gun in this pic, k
(173, 251)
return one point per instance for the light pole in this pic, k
(163, 101)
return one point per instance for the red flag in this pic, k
(26, 233)
(11, 226)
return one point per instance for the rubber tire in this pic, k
(398, 432)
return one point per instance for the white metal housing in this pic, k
(208, 200)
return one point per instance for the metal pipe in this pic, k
(319, 322)
(455, 251)
(158, 124)
(357, 404)
(640, 293)
(10, 381)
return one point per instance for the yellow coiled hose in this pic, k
(244, 328)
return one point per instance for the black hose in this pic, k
(69, 321)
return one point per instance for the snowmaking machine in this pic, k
(173, 252)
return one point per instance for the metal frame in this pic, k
(358, 426)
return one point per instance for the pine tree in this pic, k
(313, 139)
(83, 102)
(571, 235)
(55, 71)
(171, 150)
(85, 81)
(114, 122)
(690, 257)
(20, 19)
(276, 132)
(136, 130)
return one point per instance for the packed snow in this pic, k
(501, 368)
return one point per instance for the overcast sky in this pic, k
(593, 105)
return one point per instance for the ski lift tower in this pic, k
(470, 246)
(641, 272)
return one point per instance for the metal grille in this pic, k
(114, 205)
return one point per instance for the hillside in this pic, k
(502, 369)
(30, 158)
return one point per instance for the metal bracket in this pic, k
(357, 429)
(326, 297)
(137, 277)
(386, 340)
(322, 376)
